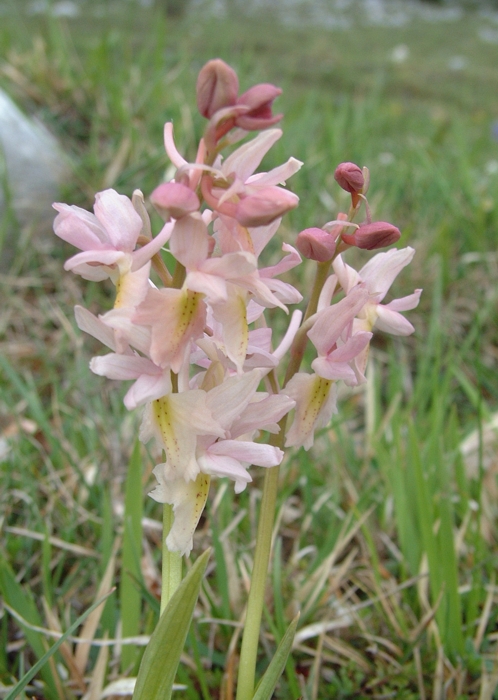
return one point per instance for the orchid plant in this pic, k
(195, 342)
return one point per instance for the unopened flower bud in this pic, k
(172, 199)
(350, 177)
(371, 236)
(217, 87)
(259, 100)
(265, 206)
(316, 244)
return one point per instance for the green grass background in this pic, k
(386, 537)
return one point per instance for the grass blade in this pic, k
(130, 596)
(19, 687)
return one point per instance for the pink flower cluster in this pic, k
(198, 351)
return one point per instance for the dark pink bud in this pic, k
(265, 206)
(316, 244)
(217, 87)
(258, 100)
(372, 236)
(172, 199)
(350, 177)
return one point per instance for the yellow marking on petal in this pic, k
(243, 329)
(164, 417)
(120, 292)
(249, 245)
(319, 392)
(202, 489)
(186, 313)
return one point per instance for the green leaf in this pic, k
(266, 685)
(21, 601)
(130, 598)
(162, 656)
(19, 687)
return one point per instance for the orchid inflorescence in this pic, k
(203, 361)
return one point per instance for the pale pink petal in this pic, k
(250, 452)
(352, 347)
(327, 292)
(215, 288)
(277, 176)
(95, 327)
(78, 227)
(231, 265)
(188, 500)
(119, 219)
(137, 336)
(262, 415)
(247, 158)
(223, 466)
(347, 276)
(142, 255)
(262, 235)
(176, 317)
(98, 256)
(287, 263)
(114, 366)
(228, 401)
(177, 420)
(315, 403)
(332, 321)
(381, 270)
(147, 388)
(405, 303)
(190, 241)
(289, 336)
(283, 291)
(392, 322)
(132, 287)
(261, 291)
(169, 143)
(94, 273)
(232, 316)
(329, 369)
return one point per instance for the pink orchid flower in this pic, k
(106, 238)
(378, 275)
(203, 435)
(116, 331)
(332, 335)
(252, 199)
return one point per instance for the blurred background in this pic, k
(408, 88)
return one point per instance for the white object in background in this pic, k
(32, 168)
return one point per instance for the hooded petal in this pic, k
(116, 214)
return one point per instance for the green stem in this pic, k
(250, 639)
(172, 561)
(249, 650)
